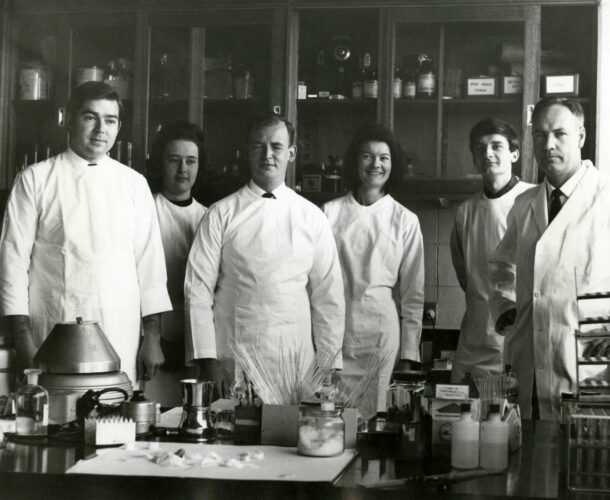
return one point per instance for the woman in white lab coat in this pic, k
(382, 258)
(176, 163)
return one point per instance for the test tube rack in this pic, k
(591, 391)
(589, 450)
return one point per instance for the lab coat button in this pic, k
(536, 294)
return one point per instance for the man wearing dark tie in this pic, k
(263, 272)
(557, 243)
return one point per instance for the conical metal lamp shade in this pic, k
(79, 347)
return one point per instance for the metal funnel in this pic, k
(79, 347)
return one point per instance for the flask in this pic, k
(332, 175)
(465, 440)
(494, 441)
(32, 406)
(426, 77)
(370, 86)
(409, 79)
(397, 86)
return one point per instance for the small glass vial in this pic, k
(321, 430)
(32, 406)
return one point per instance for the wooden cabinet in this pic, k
(217, 64)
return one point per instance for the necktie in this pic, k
(269, 195)
(555, 205)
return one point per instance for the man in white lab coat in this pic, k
(480, 223)
(80, 238)
(557, 243)
(263, 271)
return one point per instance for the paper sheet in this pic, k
(278, 464)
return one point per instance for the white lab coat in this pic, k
(83, 240)
(382, 258)
(264, 273)
(178, 225)
(533, 269)
(480, 224)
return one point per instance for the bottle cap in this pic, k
(465, 407)
(494, 408)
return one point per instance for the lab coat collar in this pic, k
(567, 188)
(279, 192)
(80, 162)
(379, 204)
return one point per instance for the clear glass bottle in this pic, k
(32, 406)
(370, 85)
(321, 430)
(426, 77)
(409, 77)
(397, 84)
(358, 81)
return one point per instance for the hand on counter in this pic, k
(150, 356)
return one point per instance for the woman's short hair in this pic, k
(174, 131)
(376, 133)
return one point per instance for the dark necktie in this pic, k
(555, 205)
(269, 195)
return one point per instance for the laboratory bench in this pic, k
(38, 471)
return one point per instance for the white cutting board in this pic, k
(279, 463)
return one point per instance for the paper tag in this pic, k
(513, 85)
(481, 86)
(446, 391)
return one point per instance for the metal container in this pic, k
(33, 83)
(141, 410)
(197, 424)
(89, 74)
(79, 347)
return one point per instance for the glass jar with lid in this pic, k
(321, 429)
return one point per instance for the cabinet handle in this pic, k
(61, 117)
(530, 112)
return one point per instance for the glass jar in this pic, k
(321, 430)
(32, 406)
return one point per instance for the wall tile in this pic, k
(431, 264)
(451, 307)
(446, 273)
(446, 217)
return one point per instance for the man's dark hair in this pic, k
(174, 131)
(574, 107)
(490, 126)
(269, 120)
(377, 133)
(91, 91)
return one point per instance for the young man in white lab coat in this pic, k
(263, 271)
(557, 243)
(81, 238)
(480, 224)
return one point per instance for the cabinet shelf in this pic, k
(595, 320)
(592, 296)
(598, 360)
(465, 101)
(594, 384)
(318, 103)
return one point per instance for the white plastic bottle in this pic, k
(465, 440)
(494, 441)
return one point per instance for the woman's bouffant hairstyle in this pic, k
(376, 133)
(175, 131)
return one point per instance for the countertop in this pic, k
(37, 471)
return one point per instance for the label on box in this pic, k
(512, 85)
(562, 84)
(481, 86)
(451, 391)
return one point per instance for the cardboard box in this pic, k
(279, 426)
(444, 412)
(482, 86)
(561, 85)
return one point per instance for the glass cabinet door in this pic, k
(463, 70)
(216, 70)
(337, 92)
(51, 55)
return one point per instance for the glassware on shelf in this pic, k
(426, 77)
(409, 78)
(243, 83)
(34, 84)
(32, 406)
(370, 85)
